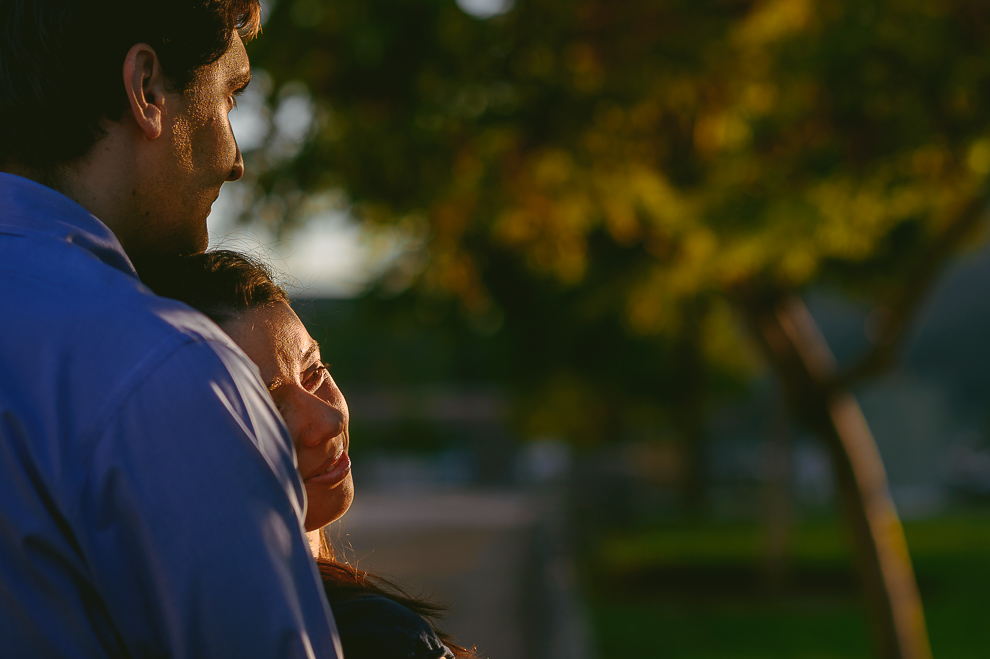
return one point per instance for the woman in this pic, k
(375, 618)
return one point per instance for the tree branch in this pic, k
(900, 314)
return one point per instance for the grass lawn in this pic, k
(698, 592)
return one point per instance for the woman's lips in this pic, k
(332, 473)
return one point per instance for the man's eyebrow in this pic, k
(240, 81)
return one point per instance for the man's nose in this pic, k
(237, 171)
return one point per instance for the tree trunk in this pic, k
(892, 590)
(805, 365)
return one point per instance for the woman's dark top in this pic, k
(375, 627)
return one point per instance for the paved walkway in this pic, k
(484, 554)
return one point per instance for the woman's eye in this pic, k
(318, 375)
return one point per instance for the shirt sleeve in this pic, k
(189, 517)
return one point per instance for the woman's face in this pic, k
(310, 402)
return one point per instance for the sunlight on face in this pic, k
(314, 410)
(200, 153)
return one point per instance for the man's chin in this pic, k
(199, 245)
(154, 255)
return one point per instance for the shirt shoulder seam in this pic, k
(129, 384)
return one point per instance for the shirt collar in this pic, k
(27, 207)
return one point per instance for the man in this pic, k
(149, 504)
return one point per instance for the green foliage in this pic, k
(637, 161)
(817, 615)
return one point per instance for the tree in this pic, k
(660, 164)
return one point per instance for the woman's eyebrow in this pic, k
(308, 355)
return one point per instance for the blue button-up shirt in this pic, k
(149, 502)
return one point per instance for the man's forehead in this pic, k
(232, 67)
(234, 64)
(240, 79)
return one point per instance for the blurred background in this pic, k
(597, 280)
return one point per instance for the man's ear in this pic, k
(144, 85)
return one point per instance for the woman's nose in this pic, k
(312, 421)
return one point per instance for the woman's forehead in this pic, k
(275, 339)
(290, 339)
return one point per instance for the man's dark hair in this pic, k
(221, 284)
(61, 65)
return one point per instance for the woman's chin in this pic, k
(326, 506)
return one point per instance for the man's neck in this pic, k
(102, 182)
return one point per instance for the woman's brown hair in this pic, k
(342, 581)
